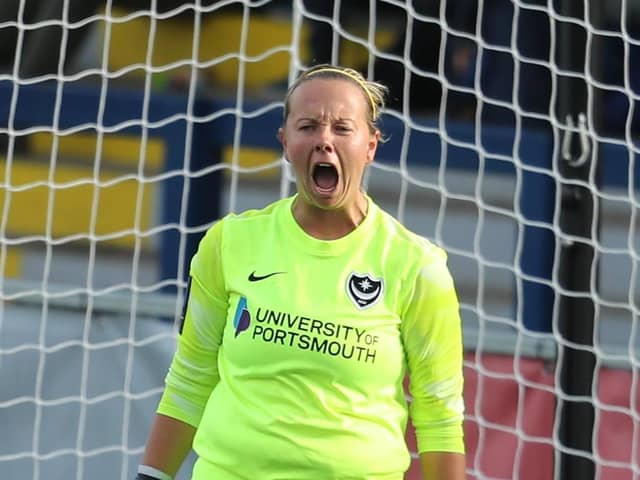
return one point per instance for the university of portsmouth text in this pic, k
(344, 341)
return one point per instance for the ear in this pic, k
(283, 142)
(372, 146)
(280, 136)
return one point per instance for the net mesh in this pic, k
(128, 127)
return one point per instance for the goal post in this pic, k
(115, 160)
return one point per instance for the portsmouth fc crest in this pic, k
(364, 290)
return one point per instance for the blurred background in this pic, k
(128, 127)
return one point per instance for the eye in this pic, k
(305, 127)
(340, 128)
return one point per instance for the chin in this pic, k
(324, 201)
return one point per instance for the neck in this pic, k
(329, 224)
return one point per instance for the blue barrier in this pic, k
(488, 149)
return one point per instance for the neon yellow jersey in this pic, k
(293, 350)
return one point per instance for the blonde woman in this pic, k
(304, 318)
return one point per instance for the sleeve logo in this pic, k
(364, 290)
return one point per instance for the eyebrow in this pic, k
(317, 120)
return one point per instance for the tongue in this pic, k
(325, 177)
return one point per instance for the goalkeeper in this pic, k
(304, 318)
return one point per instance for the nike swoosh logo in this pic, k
(256, 278)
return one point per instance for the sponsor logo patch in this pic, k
(242, 318)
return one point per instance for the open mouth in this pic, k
(325, 176)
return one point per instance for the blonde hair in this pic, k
(374, 92)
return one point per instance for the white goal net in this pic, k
(128, 127)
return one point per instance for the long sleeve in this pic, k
(431, 332)
(194, 369)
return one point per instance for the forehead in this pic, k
(327, 95)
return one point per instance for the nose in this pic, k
(323, 147)
(323, 142)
